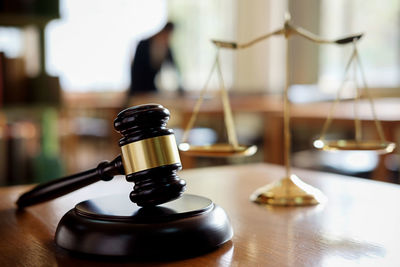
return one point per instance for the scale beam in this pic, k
(288, 30)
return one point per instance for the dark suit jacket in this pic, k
(142, 71)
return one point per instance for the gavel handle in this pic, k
(104, 171)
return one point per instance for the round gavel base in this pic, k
(114, 226)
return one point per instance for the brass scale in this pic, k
(289, 190)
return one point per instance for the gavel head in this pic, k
(149, 154)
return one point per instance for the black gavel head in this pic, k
(149, 154)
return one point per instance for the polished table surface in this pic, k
(359, 224)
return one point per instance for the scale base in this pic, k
(289, 191)
(113, 226)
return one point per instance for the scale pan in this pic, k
(218, 150)
(377, 146)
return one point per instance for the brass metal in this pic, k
(218, 150)
(289, 191)
(370, 145)
(230, 149)
(382, 146)
(150, 153)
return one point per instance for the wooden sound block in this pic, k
(116, 227)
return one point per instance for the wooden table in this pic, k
(359, 224)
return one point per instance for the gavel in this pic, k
(149, 159)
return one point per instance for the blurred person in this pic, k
(149, 57)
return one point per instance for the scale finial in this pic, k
(287, 16)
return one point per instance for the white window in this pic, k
(91, 46)
(379, 48)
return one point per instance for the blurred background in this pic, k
(65, 74)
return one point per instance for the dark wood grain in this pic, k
(358, 225)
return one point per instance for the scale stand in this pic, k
(289, 190)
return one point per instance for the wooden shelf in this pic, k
(18, 20)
